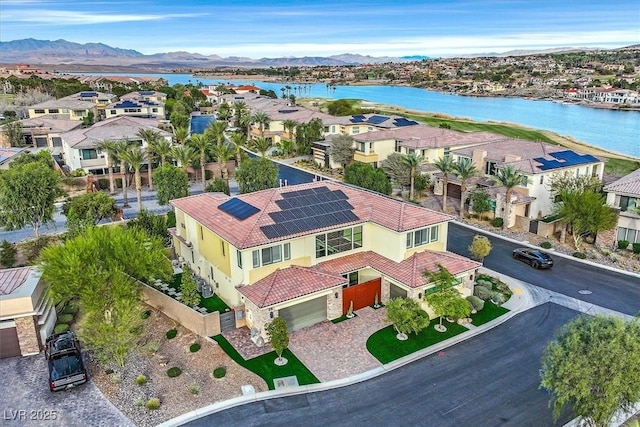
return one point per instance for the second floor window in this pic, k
(422, 236)
(270, 255)
(89, 154)
(338, 241)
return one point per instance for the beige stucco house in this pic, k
(624, 195)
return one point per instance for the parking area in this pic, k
(27, 401)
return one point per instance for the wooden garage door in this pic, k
(453, 191)
(362, 295)
(305, 314)
(10, 346)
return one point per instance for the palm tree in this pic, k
(262, 119)
(121, 147)
(202, 145)
(239, 140)
(286, 147)
(223, 153)
(465, 169)
(150, 136)
(244, 122)
(413, 161)
(135, 157)
(224, 112)
(110, 147)
(261, 145)
(239, 109)
(161, 147)
(185, 155)
(215, 131)
(510, 178)
(181, 134)
(444, 165)
(290, 126)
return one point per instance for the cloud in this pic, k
(63, 17)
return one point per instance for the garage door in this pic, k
(305, 314)
(453, 191)
(9, 338)
(396, 292)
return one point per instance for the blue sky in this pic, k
(278, 28)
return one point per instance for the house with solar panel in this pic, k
(308, 252)
(69, 108)
(539, 162)
(135, 108)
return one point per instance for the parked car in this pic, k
(64, 357)
(534, 257)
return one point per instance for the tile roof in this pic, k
(54, 123)
(115, 128)
(422, 136)
(294, 282)
(368, 206)
(9, 153)
(70, 103)
(289, 283)
(12, 278)
(629, 184)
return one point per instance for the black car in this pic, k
(64, 357)
(534, 257)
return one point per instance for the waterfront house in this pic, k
(135, 108)
(69, 107)
(624, 195)
(307, 252)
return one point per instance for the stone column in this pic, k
(27, 329)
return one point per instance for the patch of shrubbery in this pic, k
(194, 347)
(146, 314)
(174, 372)
(153, 404)
(477, 303)
(579, 255)
(636, 248)
(171, 334)
(141, 380)
(497, 298)
(623, 244)
(60, 328)
(497, 222)
(545, 245)
(65, 318)
(482, 292)
(219, 372)
(70, 309)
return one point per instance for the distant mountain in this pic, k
(42, 52)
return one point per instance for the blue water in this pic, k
(613, 130)
(288, 175)
(198, 124)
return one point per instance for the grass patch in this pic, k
(620, 167)
(264, 367)
(213, 303)
(194, 347)
(385, 347)
(487, 314)
(171, 334)
(342, 318)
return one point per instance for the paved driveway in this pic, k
(25, 399)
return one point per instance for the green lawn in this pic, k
(266, 369)
(385, 347)
(342, 318)
(487, 314)
(213, 303)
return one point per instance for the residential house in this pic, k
(624, 195)
(70, 108)
(135, 108)
(27, 317)
(44, 131)
(145, 95)
(80, 146)
(539, 162)
(309, 251)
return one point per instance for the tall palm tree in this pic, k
(215, 131)
(261, 145)
(224, 112)
(262, 119)
(465, 169)
(244, 123)
(150, 136)
(122, 146)
(222, 153)
(444, 165)
(180, 134)
(110, 147)
(162, 148)
(239, 140)
(510, 178)
(289, 125)
(413, 161)
(286, 147)
(135, 158)
(185, 155)
(202, 144)
(239, 109)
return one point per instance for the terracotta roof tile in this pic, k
(12, 278)
(367, 206)
(629, 184)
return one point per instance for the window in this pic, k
(491, 168)
(53, 111)
(239, 258)
(270, 255)
(38, 111)
(57, 141)
(355, 130)
(223, 251)
(154, 110)
(371, 147)
(628, 203)
(287, 251)
(447, 150)
(361, 147)
(89, 154)
(422, 236)
(541, 179)
(353, 278)
(256, 259)
(113, 112)
(628, 234)
(338, 241)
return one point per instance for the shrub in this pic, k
(174, 372)
(579, 255)
(623, 244)
(482, 292)
(145, 314)
(65, 318)
(139, 402)
(219, 372)
(486, 283)
(60, 328)
(545, 245)
(171, 334)
(141, 380)
(8, 253)
(193, 388)
(171, 219)
(103, 183)
(116, 378)
(636, 248)
(497, 298)
(497, 222)
(153, 346)
(108, 371)
(70, 309)
(194, 347)
(476, 302)
(153, 404)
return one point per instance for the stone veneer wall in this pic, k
(334, 305)
(259, 318)
(27, 328)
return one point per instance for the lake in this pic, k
(614, 130)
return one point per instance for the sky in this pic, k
(280, 28)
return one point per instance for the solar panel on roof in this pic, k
(400, 122)
(146, 92)
(88, 94)
(376, 120)
(565, 159)
(238, 209)
(357, 119)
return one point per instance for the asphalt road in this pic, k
(612, 290)
(489, 380)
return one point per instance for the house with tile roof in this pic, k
(307, 252)
(44, 131)
(136, 108)
(624, 195)
(538, 161)
(27, 317)
(70, 108)
(8, 154)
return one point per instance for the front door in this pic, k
(362, 295)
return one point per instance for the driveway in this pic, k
(27, 401)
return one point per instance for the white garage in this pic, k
(305, 314)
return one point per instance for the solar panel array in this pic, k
(564, 159)
(146, 92)
(287, 111)
(127, 104)
(376, 120)
(88, 94)
(357, 118)
(309, 209)
(238, 209)
(401, 121)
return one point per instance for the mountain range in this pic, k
(65, 54)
